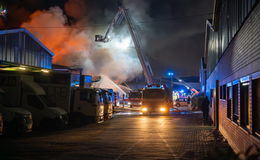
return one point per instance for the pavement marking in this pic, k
(167, 145)
(165, 141)
(129, 149)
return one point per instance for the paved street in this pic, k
(124, 137)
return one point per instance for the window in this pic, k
(34, 101)
(87, 96)
(153, 93)
(224, 92)
(135, 95)
(256, 105)
(244, 101)
(235, 103)
(229, 101)
(221, 92)
(47, 101)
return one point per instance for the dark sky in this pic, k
(172, 30)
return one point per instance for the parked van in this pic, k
(21, 90)
(181, 102)
(81, 103)
(15, 119)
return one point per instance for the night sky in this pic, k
(172, 31)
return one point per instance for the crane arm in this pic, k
(123, 14)
(116, 20)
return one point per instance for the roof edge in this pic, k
(9, 31)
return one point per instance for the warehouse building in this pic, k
(232, 77)
(20, 49)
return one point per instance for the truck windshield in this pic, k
(135, 95)
(153, 93)
(47, 101)
(88, 96)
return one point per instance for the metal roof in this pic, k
(29, 34)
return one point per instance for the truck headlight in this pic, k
(162, 109)
(144, 109)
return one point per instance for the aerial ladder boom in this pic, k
(121, 15)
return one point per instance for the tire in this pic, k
(178, 105)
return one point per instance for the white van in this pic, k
(21, 90)
(15, 119)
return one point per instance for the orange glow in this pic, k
(69, 44)
(72, 43)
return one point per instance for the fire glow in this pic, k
(73, 45)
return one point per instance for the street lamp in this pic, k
(171, 76)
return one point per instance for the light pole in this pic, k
(171, 76)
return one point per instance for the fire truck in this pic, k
(156, 99)
(135, 99)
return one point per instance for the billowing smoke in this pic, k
(70, 45)
(72, 42)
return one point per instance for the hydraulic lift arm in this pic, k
(121, 15)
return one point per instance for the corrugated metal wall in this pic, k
(19, 48)
(242, 56)
(231, 16)
(241, 59)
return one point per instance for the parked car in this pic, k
(181, 102)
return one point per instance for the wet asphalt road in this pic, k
(124, 137)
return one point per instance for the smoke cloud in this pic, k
(72, 42)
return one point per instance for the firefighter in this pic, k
(205, 107)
